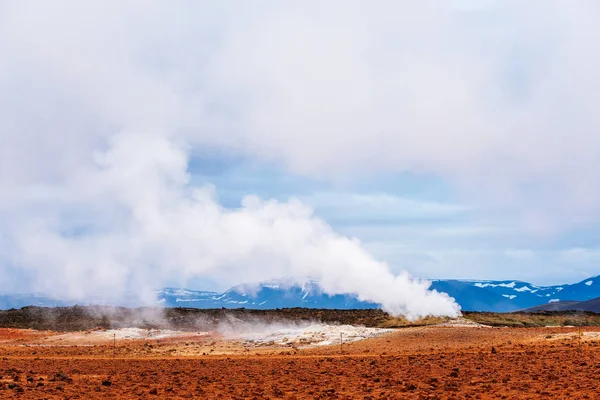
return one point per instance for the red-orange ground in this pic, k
(412, 363)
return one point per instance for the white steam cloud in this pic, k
(148, 226)
(102, 104)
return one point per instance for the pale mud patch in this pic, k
(228, 339)
(100, 336)
(573, 335)
(149, 334)
(307, 336)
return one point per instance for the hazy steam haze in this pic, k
(104, 104)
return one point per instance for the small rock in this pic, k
(106, 382)
(61, 376)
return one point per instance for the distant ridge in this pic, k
(472, 295)
(592, 305)
(280, 293)
(513, 295)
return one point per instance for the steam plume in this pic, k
(149, 225)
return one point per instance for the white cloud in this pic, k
(520, 254)
(379, 207)
(589, 256)
(487, 97)
(537, 266)
(498, 98)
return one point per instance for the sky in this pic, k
(420, 224)
(201, 144)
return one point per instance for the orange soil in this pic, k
(412, 363)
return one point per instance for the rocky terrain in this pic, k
(108, 352)
(439, 362)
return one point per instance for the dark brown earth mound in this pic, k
(536, 319)
(78, 318)
(192, 319)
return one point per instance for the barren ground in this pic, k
(440, 362)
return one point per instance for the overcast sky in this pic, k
(199, 143)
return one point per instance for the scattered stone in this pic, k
(106, 382)
(277, 392)
(61, 376)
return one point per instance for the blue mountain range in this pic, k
(472, 295)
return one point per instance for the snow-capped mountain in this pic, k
(499, 296)
(472, 295)
(18, 300)
(279, 293)
(504, 296)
